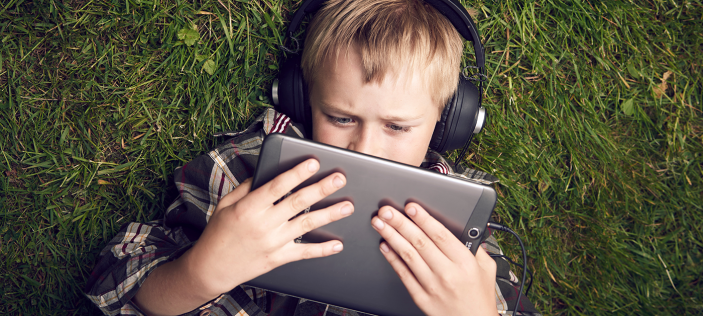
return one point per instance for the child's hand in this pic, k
(441, 274)
(248, 236)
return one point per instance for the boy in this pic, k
(378, 74)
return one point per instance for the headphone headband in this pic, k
(463, 115)
(451, 9)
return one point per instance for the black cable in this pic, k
(524, 260)
(529, 272)
(463, 151)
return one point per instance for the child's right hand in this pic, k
(248, 235)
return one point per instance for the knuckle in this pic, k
(433, 288)
(405, 275)
(237, 215)
(420, 243)
(325, 189)
(308, 253)
(307, 224)
(277, 188)
(298, 202)
(407, 255)
(447, 282)
(441, 236)
(398, 223)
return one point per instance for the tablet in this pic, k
(359, 277)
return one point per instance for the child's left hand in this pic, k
(441, 274)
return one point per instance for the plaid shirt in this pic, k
(139, 248)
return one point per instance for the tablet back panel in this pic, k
(359, 277)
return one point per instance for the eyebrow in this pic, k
(330, 107)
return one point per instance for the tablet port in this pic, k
(474, 232)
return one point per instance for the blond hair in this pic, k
(392, 37)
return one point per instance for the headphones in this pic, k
(462, 117)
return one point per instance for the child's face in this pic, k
(392, 120)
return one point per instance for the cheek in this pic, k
(422, 143)
(323, 132)
(411, 150)
(317, 125)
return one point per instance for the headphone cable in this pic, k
(463, 151)
(529, 272)
(524, 260)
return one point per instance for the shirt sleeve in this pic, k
(139, 248)
(127, 260)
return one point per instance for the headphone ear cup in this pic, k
(458, 119)
(439, 129)
(289, 92)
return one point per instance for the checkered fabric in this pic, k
(139, 248)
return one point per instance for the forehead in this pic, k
(340, 82)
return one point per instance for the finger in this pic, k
(237, 194)
(308, 196)
(307, 222)
(405, 251)
(436, 260)
(406, 276)
(263, 197)
(296, 252)
(487, 264)
(440, 235)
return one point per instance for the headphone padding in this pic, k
(458, 118)
(291, 91)
(440, 126)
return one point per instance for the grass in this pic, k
(595, 133)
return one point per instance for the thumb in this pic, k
(487, 264)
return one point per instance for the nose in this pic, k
(366, 141)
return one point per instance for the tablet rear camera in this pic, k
(474, 232)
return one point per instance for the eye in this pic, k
(343, 120)
(398, 128)
(339, 120)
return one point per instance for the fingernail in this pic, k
(378, 223)
(338, 182)
(384, 247)
(313, 166)
(411, 211)
(387, 214)
(346, 210)
(337, 247)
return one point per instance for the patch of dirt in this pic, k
(13, 174)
